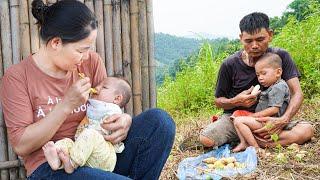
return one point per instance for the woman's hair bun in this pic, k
(39, 10)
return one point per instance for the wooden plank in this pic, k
(98, 6)
(126, 51)
(135, 57)
(116, 36)
(107, 6)
(152, 63)
(15, 22)
(24, 30)
(5, 34)
(34, 31)
(143, 44)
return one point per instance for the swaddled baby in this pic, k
(90, 148)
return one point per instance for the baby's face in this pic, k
(267, 75)
(107, 92)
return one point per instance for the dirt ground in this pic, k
(268, 167)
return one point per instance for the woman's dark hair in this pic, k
(69, 20)
(253, 22)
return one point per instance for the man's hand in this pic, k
(119, 125)
(245, 98)
(274, 125)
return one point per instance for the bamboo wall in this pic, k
(125, 42)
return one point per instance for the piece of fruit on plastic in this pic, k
(210, 160)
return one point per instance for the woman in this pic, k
(44, 99)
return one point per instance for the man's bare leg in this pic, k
(50, 152)
(206, 141)
(299, 134)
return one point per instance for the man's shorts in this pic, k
(222, 131)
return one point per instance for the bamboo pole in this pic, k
(12, 157)
(98, 6)
(4, 174)
(135, 57)
(143, 44)
(107, 6)
(116, 34)
(5, 34)
(24, 30)
(14, 15)
(126, 52)
(152, 63)
(22, 170)
(34, 31)
(89, 4)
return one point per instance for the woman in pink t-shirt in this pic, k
(44, 99)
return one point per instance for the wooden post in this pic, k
(24, 30)
(143, 44)
(14, 15)
(34, 30)
(126, 52)
(135, 57)
(89, 4)
(152, 63)
(98, 6)
(4, 174)
(5, 34)
(116, 32)
(107, 6)
(12, 156)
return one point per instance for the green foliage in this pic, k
(192, 91)
(298, 9)
(302, 39)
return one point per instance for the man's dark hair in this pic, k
(253, 22)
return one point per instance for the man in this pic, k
(236, 80)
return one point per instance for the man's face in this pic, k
(256, 44)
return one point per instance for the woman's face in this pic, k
(69, 56)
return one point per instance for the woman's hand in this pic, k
(77, 94)
(119, 125)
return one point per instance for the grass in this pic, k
(268, 168)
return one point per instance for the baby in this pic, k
(272, 102)
(90, 148)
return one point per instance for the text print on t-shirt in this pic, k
(43, 109)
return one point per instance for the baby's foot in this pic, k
(50, 152)
(240, 147)
(64, 157)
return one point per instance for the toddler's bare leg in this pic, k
(50, 152)
(243, 143)
(245, 126)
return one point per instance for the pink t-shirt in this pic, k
(28, 95)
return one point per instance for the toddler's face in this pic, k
(107, 92)
(267, 75)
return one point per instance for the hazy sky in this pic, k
(216, 17)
